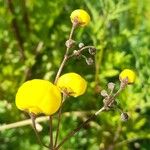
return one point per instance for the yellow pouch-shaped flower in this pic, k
(80, 17)
(72, 83)
(129, 74)
(38, 96)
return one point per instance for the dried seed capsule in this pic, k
(69, 43)
(111, 86)
(81, 45)
(124, 116)
(92, 51)
(76, 52)
(89, 61)
(104, 93)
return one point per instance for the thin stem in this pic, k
(38, 119)
(73, 132)
(65, 57)
(80, 50)
(59, 120)
(122, 87)
(56, 78)
(36, 132)
(51, 132)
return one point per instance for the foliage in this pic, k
(119, 29)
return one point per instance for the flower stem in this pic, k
(59, 120)
(65, 57)
(80, 50)
(51, 132)
(73, 132)
(55, 81)
(35, 130)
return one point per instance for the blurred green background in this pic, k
(32, 37)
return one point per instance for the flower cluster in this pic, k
(41, 96)
(126, 77)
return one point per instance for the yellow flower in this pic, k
(80, 17)
(38, 96)
(129, 74)
(72, 83)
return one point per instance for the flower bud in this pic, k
(38, 96)
(111, 86)
(124, 116)
(128, 75)
(76, 53)
(80, 17)
(69, 43)
(104, 93)
(92, 51)
(89, 61)
(81, 45)
(72, 84)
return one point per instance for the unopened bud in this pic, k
(124, 116)
(69, 43)
(111, 86)
(76, 52)
(81, 45)
(104, 93)
(92, 51)
(89, 61)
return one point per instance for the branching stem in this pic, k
(65, 57)
(73, 132)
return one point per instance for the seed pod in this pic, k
(104, 93)
(89, 61)
(111, 86)
(124, 116)
(92, 51)
(69, 43)
(81, 45)
(76, 53)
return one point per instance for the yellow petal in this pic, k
(80, 17)
(38, 96)
(72, 83)
(129, 74)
